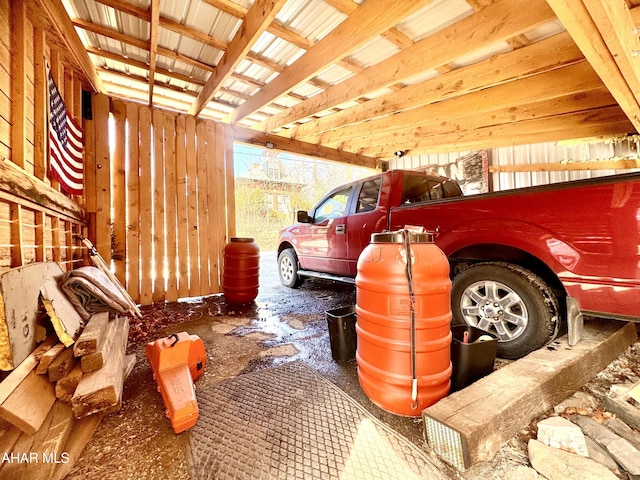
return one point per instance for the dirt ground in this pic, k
(282, 325)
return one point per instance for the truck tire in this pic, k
(507, 301)
(288, 268)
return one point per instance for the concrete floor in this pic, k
(282, 325)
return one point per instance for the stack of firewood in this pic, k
(51, 404)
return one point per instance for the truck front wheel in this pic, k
(507, 301)
(288, 268)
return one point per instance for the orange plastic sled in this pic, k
(177, 361)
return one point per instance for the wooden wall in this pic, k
(159, 205)
(37, 222)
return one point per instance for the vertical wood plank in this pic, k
(17, 248)
(170, 205)
(214, 198)
(133, 226)
(158, 207)
(145, 199)
(192, 198)
(40, 221)
(55, 239)
(119, 240)
(182, 213)
(19, 32)
(40, 106)
(103, 177)
(229, 182)
(90, 167)
(203, 207)
(68, 245)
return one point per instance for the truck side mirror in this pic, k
(303, 216)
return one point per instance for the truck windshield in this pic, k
(422, 188)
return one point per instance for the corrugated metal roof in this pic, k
(193, 35)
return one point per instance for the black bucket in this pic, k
(471, 360)
(342, 333)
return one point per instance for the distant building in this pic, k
(270, 178)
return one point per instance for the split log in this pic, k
(48, 357)
(93, 336)
(102, 389)
(29, 404)
(83, 430)
(96, 360)
(62, 365)
(66, 386)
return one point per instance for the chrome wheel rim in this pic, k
(495, 308)
(286, 269)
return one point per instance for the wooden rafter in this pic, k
(485, 27)
(61, 22)
(245, 135)
(539, 57)
(585, 31)
(258, 18)
(369, 20)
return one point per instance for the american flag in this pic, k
(65, 144)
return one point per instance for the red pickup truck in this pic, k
(524, 263)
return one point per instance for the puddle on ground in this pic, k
(287, 350)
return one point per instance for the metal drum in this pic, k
(403, 322)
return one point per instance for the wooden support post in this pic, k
(464, 431)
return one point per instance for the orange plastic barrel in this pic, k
(241, 269)
(384, 326)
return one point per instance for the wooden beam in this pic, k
(258, 18)
(461, 428)
(251, 137)
(61, 23)
(603, 121)
(17, 186)
(588, 36)
(154, 11)
(370, 19)
(498, 22)
(40, 105)
(570, 166)
(545, 55)
(616, 25)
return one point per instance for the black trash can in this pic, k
(471, 360)
(342, 333)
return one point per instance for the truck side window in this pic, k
(368, 198)
(332, 207)
(419, 188)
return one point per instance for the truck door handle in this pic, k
(341, 229)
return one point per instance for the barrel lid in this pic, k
(242, 239)
(397, 237)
